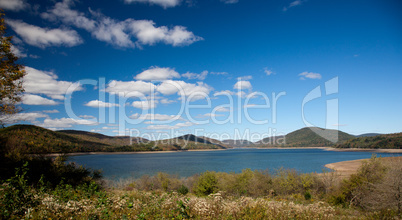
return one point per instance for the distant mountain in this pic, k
(34, 139)
(387, 141)
(368, 135)
(104, 139)
(238, 143)
(189, 142)
(306, 137)
(275, 140)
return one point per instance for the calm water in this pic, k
(116, 166)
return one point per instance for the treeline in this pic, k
(384, 141)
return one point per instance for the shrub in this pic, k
(207, 183)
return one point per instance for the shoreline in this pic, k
(383, 150)
(127, 152)
(398, 151)
(349, 167)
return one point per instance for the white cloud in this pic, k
(100, 104)
(133, 88)
(241, 85)
(13, 5)
(30, 116)
(224, 92)
(18, 51)
(221, 109)
(42, 82)
(157, 73)
(87, 116)
(148, 34)
(241, 94)
(267, 71)
(230, 1)
(292, 4)
(212, 115)
(169, 127)
(167, 101)
(310, 75)
(245, 77)
(157, 117)
(197, 76)
(51, 111)
(195, 91)
(120, 33)
(29, 99)
(149, 104)
(43, 37)
(163, 3)
(65, 122)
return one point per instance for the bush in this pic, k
(207, 183)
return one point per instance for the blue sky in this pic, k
(168, 67)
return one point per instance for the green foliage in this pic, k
(352, 190)
(11, 74)
(385, 141)
(18, 196)
(207, 183)
(306, 137)
(183, 190)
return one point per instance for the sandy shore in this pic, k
(347, 168)
(364, 150)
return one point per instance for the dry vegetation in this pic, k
(373, 192)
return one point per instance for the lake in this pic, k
(184, 164)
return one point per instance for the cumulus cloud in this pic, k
(18, 51)
(13, 5)
(267, 71)
(157, 117)
(133, 88)
(245, 77)
(148, 104)
(197, 76)
(309, 75)
(46, 83)
(120, 33)
(148, 34)
(65, 122)
(163, 3)
(100, 104)
(29, 99)
(241, 85)
(157, 73)
(195, 91)
(169, 127)
(30, 116)
(43, 37)
(292, 4)
(51, 111)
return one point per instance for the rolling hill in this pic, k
(104, 139)
(188, 142)
(306, 137)
(238, 143)
(33, 139)
(384, 141)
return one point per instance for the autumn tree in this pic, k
(11, 74)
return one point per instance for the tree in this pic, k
(11, 74)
